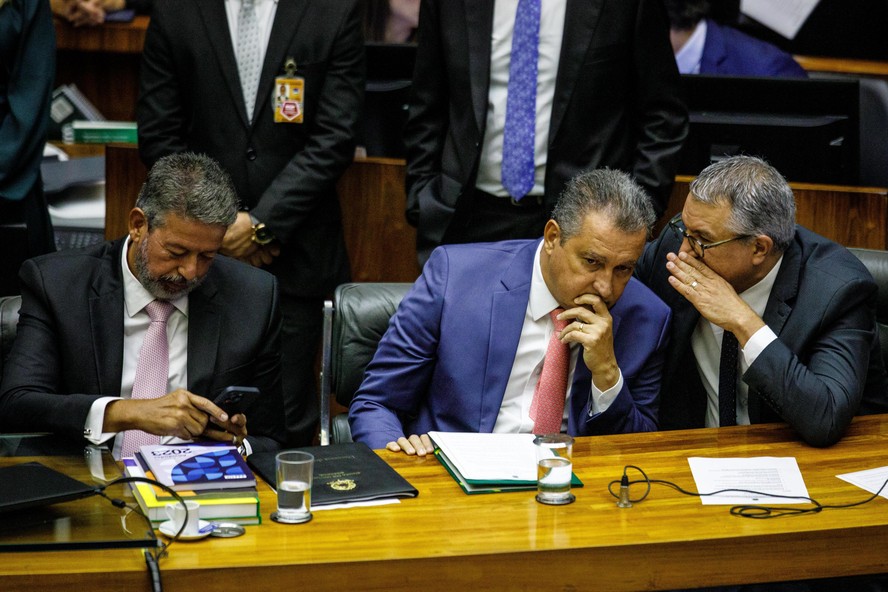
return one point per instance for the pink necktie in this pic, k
(547, 407)
(152, 371)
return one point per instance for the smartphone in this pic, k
(236, 399)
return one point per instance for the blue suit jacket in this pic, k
(445, 360)
(732, 53)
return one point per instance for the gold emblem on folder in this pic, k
(342, 484)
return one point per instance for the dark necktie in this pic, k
(520, 125)
(727, 381)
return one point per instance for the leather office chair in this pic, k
(877, 264)
(354, 322)
(9, 313)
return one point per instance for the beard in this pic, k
(165, 287)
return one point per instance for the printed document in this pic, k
(870, 480)
(785, 17)
(764, 474)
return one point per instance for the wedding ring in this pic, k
(694, 284)
(581, 326)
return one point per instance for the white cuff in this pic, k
(95, 421)
(757, 344)
(601, 400)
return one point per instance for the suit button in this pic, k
(251, 154)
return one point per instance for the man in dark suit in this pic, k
(469, 345)
(702, 46)
(607, 95)
(284, 156)
(85, 315)
(733, 264)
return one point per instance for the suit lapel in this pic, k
(580, 21)
(506, 320)
(106, 312)
(479, 28)
(203, 337)
(216, 26)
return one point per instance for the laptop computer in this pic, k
(32, 484)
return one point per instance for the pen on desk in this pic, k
(208, 528)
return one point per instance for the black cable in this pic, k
(743, 510)
(121, 504)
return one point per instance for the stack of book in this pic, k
(100, 132)
(216, 477)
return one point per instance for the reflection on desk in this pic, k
(446, 540)
(88, 523)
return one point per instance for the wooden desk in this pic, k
(869, 68)
(103, 61)
(446, 540)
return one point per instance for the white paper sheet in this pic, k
(785, 17)
(490, 457)
(764, 474)
(870, 480)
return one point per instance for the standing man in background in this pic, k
(210, 77)
(512, 98)
(27, 72)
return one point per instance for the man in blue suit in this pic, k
(466, 348)
(702, 46)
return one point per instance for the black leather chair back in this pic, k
(361, 315)
(9, 313)
(877, 264)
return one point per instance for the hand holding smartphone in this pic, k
(236, 399)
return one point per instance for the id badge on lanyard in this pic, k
(289, 95)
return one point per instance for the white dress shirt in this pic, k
(514, 413)
(135, 326)
(706, 344)
(690, 55)
(551, 34)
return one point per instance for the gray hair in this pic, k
(607, 191)
(760, 199)
(193, 186)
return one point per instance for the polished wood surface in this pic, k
(381, 244)
(103, 62)
(870, 68)
(851, 216)
(446, 540)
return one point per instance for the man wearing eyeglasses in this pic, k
(771, 322)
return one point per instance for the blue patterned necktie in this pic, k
(520, 126)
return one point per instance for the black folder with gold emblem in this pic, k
(343, 473)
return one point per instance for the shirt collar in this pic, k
(541, 301)
(135, 296)
(756, 296)
(690, 55)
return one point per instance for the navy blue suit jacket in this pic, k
(445, 360)
(732, 53)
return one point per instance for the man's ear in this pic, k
(138, 224)
(762, 247)
(551, 235)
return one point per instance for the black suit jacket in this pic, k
(69, 347)
(616, 103)
(190, 99)
(825, 365)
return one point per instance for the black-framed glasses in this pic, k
(697, 246)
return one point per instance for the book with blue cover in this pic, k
(197, 466)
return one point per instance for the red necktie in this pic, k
(152, 371)
(547, 407)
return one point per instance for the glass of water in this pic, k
(293, 471)
(554, 468)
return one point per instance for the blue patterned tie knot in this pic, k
(520, 126)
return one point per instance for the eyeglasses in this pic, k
(697, 246)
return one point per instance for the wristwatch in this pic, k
(261, 234)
